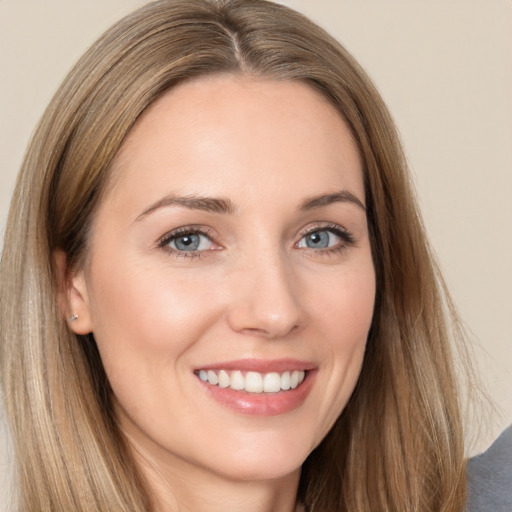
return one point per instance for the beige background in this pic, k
(444, 67)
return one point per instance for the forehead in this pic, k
(222, 132)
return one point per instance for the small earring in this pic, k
(73, 317)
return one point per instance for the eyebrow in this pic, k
(192, 202)
(344, 196)
(226, 206)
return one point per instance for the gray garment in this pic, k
(490, 477)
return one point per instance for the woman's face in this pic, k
(230, 284)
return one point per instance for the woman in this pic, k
(223, 296)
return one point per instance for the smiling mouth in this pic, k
(253, 382)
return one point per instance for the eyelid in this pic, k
(328, 226)
(183, 230)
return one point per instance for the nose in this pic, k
(265, 300)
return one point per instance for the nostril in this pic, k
(270, 330)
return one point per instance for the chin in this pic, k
(256, 463)
(262, 472)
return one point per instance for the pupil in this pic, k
(318, 239)
(187, 242)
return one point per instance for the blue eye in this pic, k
(188, 242)
(328, 239)
(320, 239)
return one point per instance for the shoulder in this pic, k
(490, 477)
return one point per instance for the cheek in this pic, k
(344, 305)
(147, 322)
(344, 312)
(147, 314)
(353, 314)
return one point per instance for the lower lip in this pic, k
(262, 404)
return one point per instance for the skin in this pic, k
(254, 290)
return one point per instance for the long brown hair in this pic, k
(397, 445)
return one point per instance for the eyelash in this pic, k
(184, 231)
(346, 236)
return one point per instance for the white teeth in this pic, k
(285, 380)
(253, 382)
(237, 381)
(296, 379)
(224, 380)
(213, 378)
(272, 383)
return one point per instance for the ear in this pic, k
(72, 297)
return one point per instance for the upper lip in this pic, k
(261, 365)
